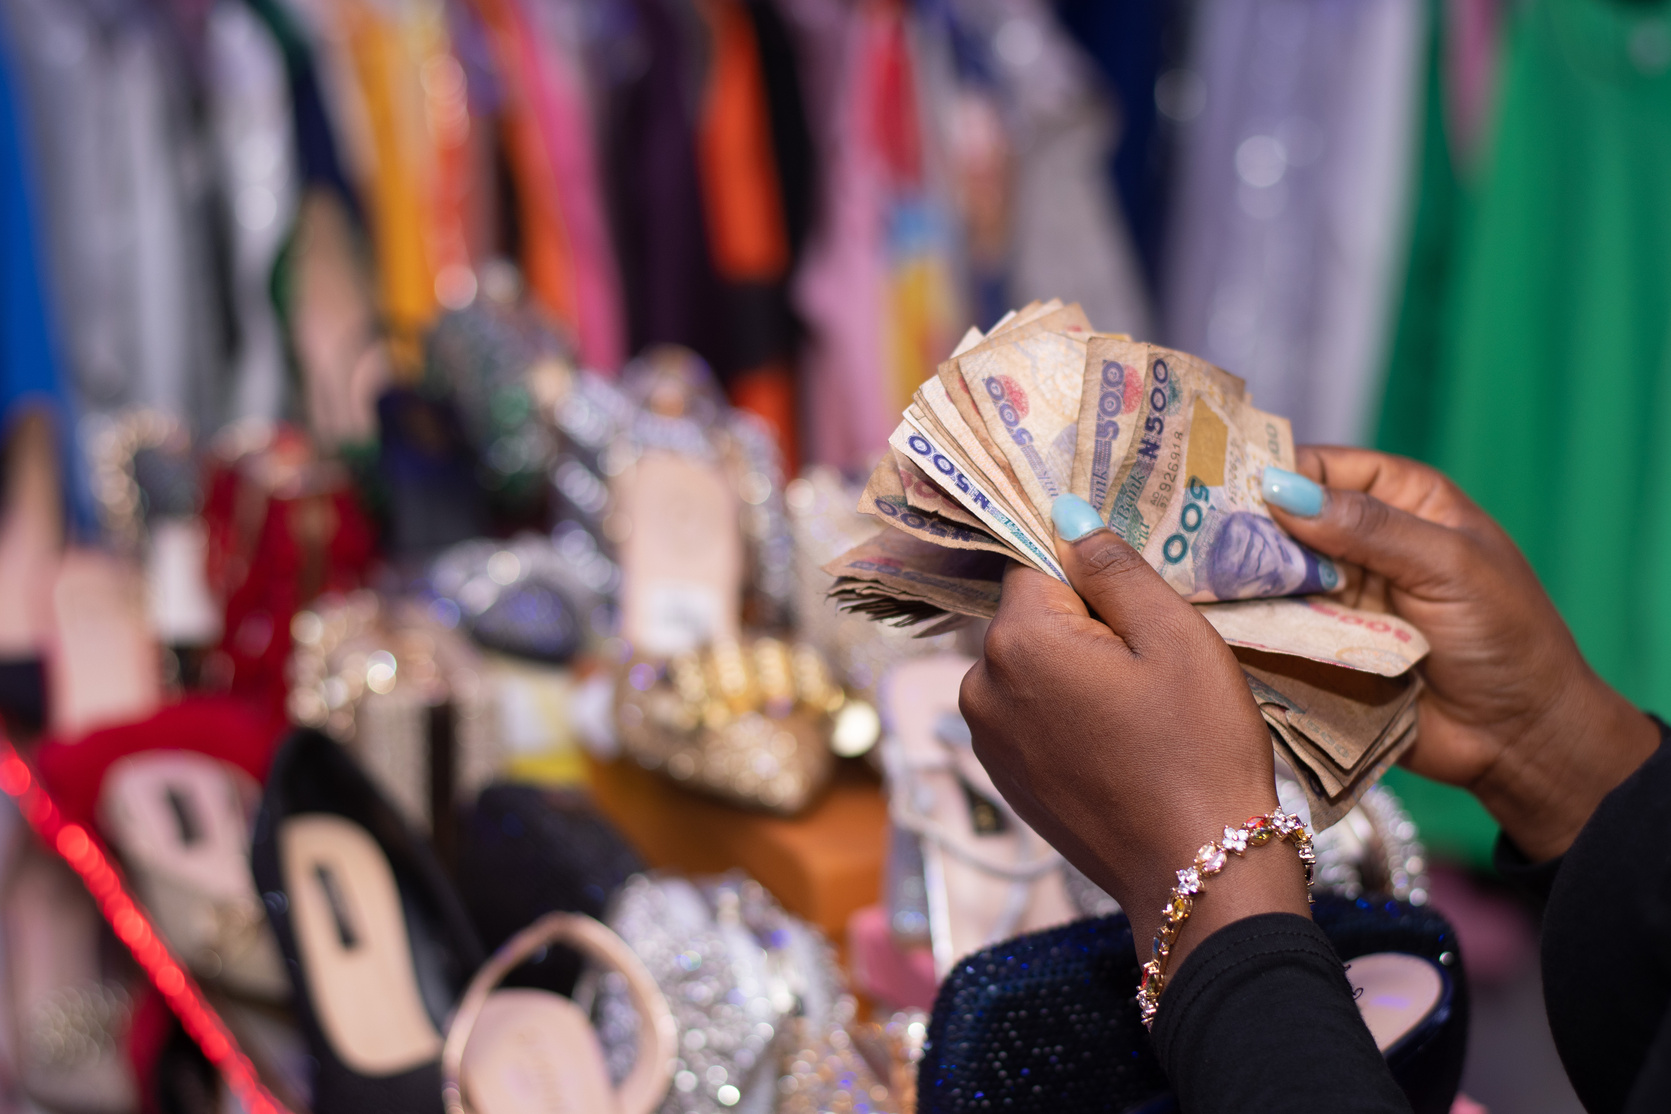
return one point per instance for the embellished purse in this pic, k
(757, 722)
(405, 694)
(764, 1022)
(1046, 1023)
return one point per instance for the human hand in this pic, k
(1117, 723)
(1512, 711)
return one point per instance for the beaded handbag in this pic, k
(764, 1021)
(1047, 1022)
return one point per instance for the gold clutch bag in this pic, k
(752, 721)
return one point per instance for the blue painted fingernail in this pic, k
(1074, 517)
(1292, 492)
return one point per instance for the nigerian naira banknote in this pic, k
(1172, 454)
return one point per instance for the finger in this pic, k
(1397, 481)
(1114, 579)
(1038, 617)
(1354, 526)
(1028, 592)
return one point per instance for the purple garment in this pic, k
(659, 230)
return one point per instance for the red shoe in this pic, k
(175, 795)
(82, 850)
(73, 770)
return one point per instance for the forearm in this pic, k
(1606, 963)
(1548, 783)
(1261, 1017)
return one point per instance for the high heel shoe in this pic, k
(31, 537)
(525, 1051)
(74, 769)
(377, 944)
(174, 793)
(103, 663)
(181, 821)
(526, 851)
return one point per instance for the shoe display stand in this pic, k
(823, 865)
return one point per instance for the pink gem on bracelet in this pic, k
(1255, 831)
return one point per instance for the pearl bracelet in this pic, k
(1192, 879)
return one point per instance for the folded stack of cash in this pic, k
(1171, 452)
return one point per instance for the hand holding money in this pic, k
(1115, 721)
(1170, 454)
(1511, 710)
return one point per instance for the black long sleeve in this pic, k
(1260, 1017)
(1607, 944)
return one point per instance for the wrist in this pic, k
(1267, 878)
(1194, 903)
(1553, 774)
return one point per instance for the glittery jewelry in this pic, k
(1256, 830)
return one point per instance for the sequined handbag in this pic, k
(1046, 1023)
(405, 694)
(764, 1021)
(490, 359)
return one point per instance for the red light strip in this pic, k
(103, 879)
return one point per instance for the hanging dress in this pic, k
(1533, 362)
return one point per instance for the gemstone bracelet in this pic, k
(1192, 879)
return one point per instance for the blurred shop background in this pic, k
(481, 383)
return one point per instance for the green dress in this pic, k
(1531, 357)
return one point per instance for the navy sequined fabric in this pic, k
(1047, 1022)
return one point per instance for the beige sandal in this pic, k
(530, 1051)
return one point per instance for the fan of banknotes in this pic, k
(1171, 451)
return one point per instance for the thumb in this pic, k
(1353, 526)
(1116, 582)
